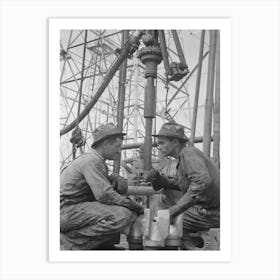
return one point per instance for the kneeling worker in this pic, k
(197, 179)
(93, 211)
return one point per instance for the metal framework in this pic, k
(94, 64)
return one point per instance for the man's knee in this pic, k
(124, 215)
(111, 218)
(121, 219)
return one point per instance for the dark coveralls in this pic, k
(92, 213)
(198, 180)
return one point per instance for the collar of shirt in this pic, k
(102, 158)
(97, 154)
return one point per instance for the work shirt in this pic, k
(86, 179)
(198, 178)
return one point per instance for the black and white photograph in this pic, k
(140, 139)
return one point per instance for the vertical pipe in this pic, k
(209, 94)
(178, 47)
(136, 105)
(80, 93)
(164, 51)
(82, 78)
(197, 86)
(216, 125)
(148, 144)
(128, 108)
(149, 114)
(121, 97)
(92, 88)
(150, 56)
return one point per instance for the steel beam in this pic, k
(121, 97)
(209, 94)
(108, 77)
(197, 86)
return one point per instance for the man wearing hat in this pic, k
(93, 211)
(197, 182)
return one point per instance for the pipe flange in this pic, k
(151, 53)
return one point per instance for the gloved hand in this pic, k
(153, 177)
(160, 181)
(136, 207)
(184, 203)
(119, 183)
(174, 211)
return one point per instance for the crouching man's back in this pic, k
(92, 211)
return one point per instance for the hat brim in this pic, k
(171, 136)
(106, 137)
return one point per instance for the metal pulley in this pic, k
(177, 70)
(77, 138)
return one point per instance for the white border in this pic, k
(224, 255)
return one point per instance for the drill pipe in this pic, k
(140, 190)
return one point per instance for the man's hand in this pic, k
(136, 207)
(119, 183)
(153, 177)
(160, 181)
(174, 211)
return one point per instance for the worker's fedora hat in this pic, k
(172, 130)
(104, 131)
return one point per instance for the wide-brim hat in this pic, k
(172, 130)
(105, 131)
